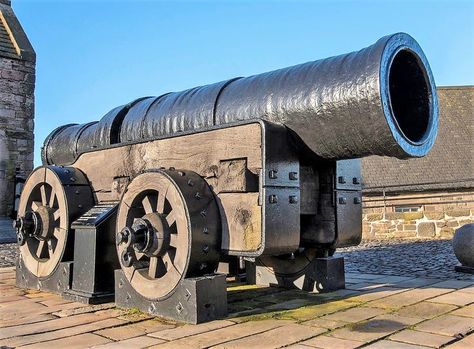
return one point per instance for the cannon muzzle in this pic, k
(380, 100)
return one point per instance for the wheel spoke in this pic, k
(52, 198)
(171, 218)
(147, 205)
(138, 255)
(35, 205)
(153, 267)
(50, 248)
(58, 233)
(44, 199)
(174, 240)
(39, 250)
(170, 267)
(56, 215)
(160, 205)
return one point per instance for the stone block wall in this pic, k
(438, 215)
(17, 84)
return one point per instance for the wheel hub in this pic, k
(149, 235)
(35, 224)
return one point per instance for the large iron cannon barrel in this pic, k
(380, 100)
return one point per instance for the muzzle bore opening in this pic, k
(410, 95)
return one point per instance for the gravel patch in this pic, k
(417, 258)
(8, 253)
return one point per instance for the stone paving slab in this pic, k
(457, 298)
(422, 338)
(465, 343)
(448, 325)
(327, 342)
(425, 310)
(275, 338)
(387, 344)
(377, 310)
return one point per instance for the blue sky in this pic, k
(95, 55)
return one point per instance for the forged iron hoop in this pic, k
(51, 199)
(44, 189)
(166, 195)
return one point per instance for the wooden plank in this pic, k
(228, 159)
(242, 221)
(201, 153)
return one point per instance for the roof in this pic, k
(13, 40)
(450, 163)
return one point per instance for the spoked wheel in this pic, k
(45, 211)
(168, 228)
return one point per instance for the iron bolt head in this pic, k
(293, 176)
(273, 174)
(273, 199)
(21, 238)
(127, 258)
(341, 180)
(342, 200)
(124, 235)
(355, 180)
(357, 200)
(293, 199)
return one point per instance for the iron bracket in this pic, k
(195, 300)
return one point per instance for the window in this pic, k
(407, 208)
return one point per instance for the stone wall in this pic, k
(434, 215)
(17, 84)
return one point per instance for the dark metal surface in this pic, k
(280, 192)
(95, 257)
(58, 282)
(348, 218)
(380, 100)
(195, 300)
(348, 201)
(464, 269)
(321, 275)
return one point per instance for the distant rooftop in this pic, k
(450, 163)
(13, 40)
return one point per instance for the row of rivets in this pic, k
(273, 174)
(342, 180)
(273, 199)
(342, 200)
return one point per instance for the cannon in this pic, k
(143, 204)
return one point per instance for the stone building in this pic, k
(17, 84)
(428, 197)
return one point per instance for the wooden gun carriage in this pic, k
(263, 168)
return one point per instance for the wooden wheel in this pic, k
(44, 214)
(168, 228)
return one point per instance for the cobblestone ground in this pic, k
(419, 258)
(423, 258)
(8, 254)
